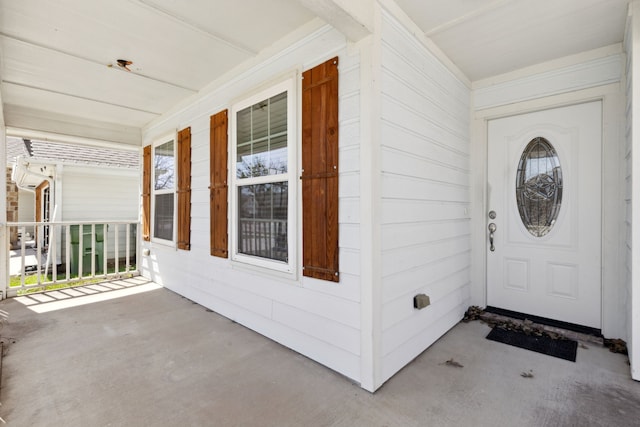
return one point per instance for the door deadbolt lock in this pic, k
(492, 215)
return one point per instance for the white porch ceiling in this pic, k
(489, 37)
(55, 56)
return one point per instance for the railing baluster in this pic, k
(53, 254)
(105, 248)
(23, 247)
(93, 250)
(39, 240)
(80, 250)
(128, 240)
(67, 252)
(137, 259)
(270, 240)
(116, 247)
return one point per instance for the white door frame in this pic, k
(613, 264)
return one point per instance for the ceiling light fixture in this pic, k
(123, 63)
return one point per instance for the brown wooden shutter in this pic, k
(146, 193)
(320, 171)
(218, 184)
(184, 189)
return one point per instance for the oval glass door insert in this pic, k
(539, 187)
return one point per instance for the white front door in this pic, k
(544, 192)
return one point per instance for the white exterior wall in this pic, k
(632, 181)
(413, 152)
(95, 194)
(316, 318)
(26, 208)
(425, 169)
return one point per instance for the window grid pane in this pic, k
(163, 216)
(164, 165)
(262, 138)
(263, 220)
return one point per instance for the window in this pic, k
(539, 187)
(164, 167)
(169, 186)
(263, 180)
(263, 185)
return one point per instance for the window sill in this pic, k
(249, 266)
(163, 243)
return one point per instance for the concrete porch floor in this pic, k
(154, 358)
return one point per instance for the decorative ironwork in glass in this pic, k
(539, 187)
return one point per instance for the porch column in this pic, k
(633, 91)
(370, 208)
(4, 240)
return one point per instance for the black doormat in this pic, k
(561, 348)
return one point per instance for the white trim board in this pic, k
(634, 261)
(584, 75)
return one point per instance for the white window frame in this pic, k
(288, 267)
(160, 141)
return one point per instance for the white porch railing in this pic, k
(58, 253)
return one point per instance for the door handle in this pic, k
(492, 229)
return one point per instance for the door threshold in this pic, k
(557, 324)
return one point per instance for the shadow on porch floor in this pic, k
(154, 358)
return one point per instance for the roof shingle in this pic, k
(70, 153)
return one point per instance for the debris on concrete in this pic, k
(527, 374)
(526, 326)
(616, 345)
(453, 363)
(473, 313)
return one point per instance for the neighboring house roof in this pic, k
(70, 153)
(15, 148)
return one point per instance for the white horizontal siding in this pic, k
(413, 256)
(410, 188)
(584, 75)
(425, 181)
(413, 141)
(396, 211)
(27, 208)
(95, 194)
(429, 129)
(422, 167)
(400, 284)
(439, 321)
(316, 318)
